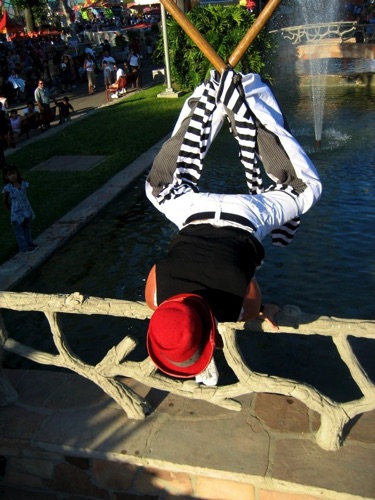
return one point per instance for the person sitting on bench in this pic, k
(118, 87)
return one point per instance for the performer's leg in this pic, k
(178, 165)
(165, 162)
(282, 156)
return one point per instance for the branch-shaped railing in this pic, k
(317, 33)
(115, 364)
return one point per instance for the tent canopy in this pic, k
(99, 4)
(146, 2)
(139, 26)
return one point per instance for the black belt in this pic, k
(223, 216)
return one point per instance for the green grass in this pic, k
(122, 131)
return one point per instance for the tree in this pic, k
(67, 11)
(223, 27)
(35, 12)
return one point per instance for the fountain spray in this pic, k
(315, 12)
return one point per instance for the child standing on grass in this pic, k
(21, 213)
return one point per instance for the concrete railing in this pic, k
(334, 416)
(345, 31)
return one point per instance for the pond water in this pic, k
(328, 269)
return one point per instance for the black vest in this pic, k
(215, 263)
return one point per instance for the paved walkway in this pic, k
(64, 434)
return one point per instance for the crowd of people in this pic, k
(363, 12)
(111, 69)
(96, 20)
(359, 10)
(34, 72)
(22, 65)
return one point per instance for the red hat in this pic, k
(181, 336)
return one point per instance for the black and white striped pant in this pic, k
(297, 186)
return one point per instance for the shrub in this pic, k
(223, 27)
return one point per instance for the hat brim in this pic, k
(207, 345)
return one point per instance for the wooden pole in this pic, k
(253, 32)
(219, 64)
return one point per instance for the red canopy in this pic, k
(139, 26)
(44, 33)
(152, 12)
(98, 4)
(9, 25)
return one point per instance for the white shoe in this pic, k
(114, 96)
(209, 376)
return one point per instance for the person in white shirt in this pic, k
(89, 66)
(4, 104)
(115, 86)
(119, 72)
(106, 75)
(111, 62)
(134, 65)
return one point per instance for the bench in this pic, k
(47, 116)
(36, 120)
(29, 123)
(122, 83)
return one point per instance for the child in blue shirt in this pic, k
(21, 213)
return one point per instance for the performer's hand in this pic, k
(268, 314)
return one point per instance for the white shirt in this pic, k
(119, 73)
(134, 60)
(89, 63)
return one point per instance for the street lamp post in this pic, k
(168, 92)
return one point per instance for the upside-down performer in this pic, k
(207, 275)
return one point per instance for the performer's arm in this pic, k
(252, 301)
(150, 290)
(252, 306)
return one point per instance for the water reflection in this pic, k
(344, 67)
